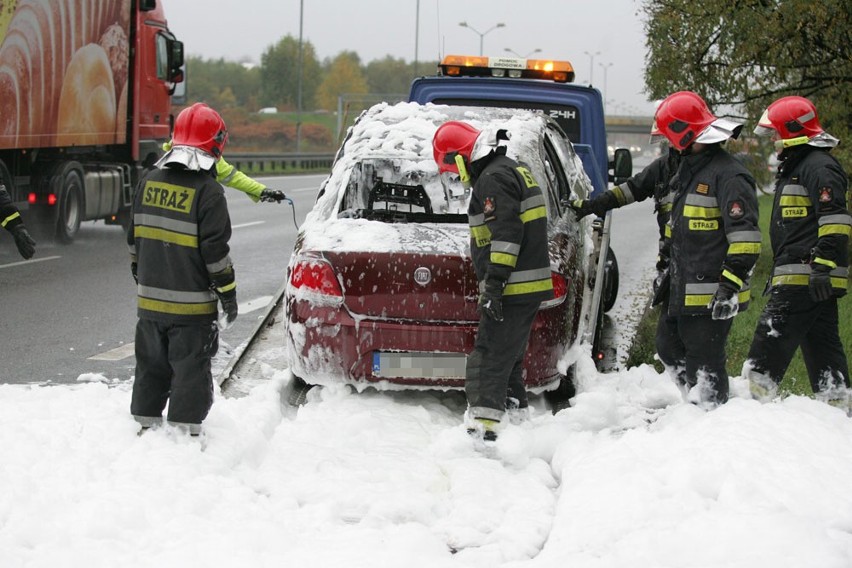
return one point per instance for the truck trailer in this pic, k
(85, 105)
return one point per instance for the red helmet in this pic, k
(682, 117)
(790, 117)
(451, 139)
(201, 127)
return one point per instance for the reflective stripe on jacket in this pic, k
(810, 222)
(179, 239)
(508, 228)
(714, 231)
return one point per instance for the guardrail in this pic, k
(279, 163)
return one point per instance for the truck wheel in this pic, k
(558, 399)
(610, 291)
(70, 206)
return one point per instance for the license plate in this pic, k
(419, 365)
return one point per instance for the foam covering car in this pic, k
(380, 287)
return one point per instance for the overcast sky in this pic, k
(612, 30)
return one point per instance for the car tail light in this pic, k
(315, 275)
(560, 290)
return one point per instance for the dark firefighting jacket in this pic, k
(179, 240)
(713, 230)
(9, 215)
(810, 222)
(508, 229)
(652, 181)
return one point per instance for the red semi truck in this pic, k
(85, 104)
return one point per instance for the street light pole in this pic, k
(592, 65)
(416, 36)
(481, 34)
(516, 54)
(605, 67)
(299, 94)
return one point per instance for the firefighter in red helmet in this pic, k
(714, 242)
(178, 240)
(509, 249)
(810, 232)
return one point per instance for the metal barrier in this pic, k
(279, 163)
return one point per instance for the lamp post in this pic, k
(516, 54)
(481, 34)
(592, 65)
(416, 36)
(605, 66)
(299, 94)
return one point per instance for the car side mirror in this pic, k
(621, 165)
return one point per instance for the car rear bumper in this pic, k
(329, 345)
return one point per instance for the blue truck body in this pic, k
(577, 109)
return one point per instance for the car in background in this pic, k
(381, 289)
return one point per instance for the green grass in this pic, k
(796, 379)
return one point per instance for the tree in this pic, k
(279, 74)
(343, 76)
(393, 76)
(221, 83)
(743, 54)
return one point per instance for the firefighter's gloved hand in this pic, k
(661, 287)
(270, 195)
(491, 300)
(819, 283)
(133, 269)
(228, 299)
(583, 207)
(725, 303)
(24, 242)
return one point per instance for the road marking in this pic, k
(32, 260)
(129, 349)
(116, 354)
(240, 226)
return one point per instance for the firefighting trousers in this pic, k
(495, 366)
(792, 319)
(693, 347)
(173, 365)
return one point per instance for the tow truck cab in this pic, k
(539, 84)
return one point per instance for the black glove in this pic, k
(491, 300)
(819, 283)
(725, 303)
(24, 242)
(270, 195)
(229, 304)
(133, 270)
(661, 287)
(581, 207)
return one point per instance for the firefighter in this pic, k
(809, 232)
(509, 249)
(714, 242)
(180, 259)
(652, 181)
(230, 176)
(10, 219)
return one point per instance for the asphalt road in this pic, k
(69, 313)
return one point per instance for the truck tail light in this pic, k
(315, 275)
(560, 290)
(34, 198)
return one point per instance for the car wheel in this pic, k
(558, 399)
(298, 391)
(611, 280)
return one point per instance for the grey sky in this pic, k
(612, 30)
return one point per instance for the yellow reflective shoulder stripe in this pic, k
(533, 214)
(165, 236)
(701, 212)
(528, 287)
(177, 308)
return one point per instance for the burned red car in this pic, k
(381, 289)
